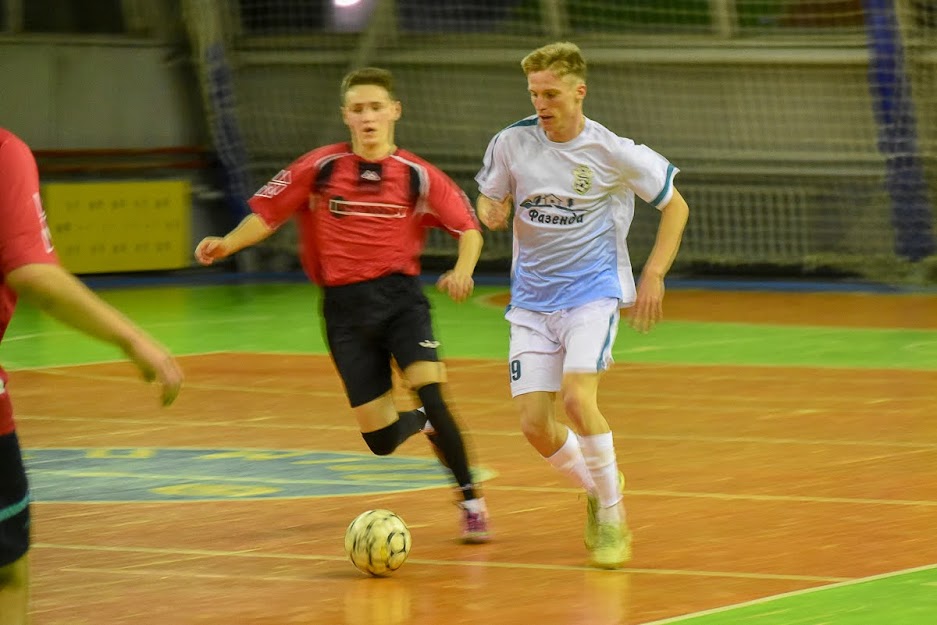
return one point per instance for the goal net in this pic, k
(806, 130)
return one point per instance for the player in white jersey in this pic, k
(571, 183)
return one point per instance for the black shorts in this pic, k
(369, 323)
(14, 501)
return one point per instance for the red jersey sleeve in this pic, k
(24, 233)
(450, 207)
(288, 192)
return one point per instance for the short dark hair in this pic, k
(368, 76)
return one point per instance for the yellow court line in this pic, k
(467, 563)
(732, 496)
(263, 390)
(388, 478)
(876, 458)
(175, 574)
(862, 380)
(375, 479)
(109, 361)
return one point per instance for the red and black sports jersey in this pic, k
(24, 236)
(359, 219)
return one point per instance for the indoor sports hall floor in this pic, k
(780, 449)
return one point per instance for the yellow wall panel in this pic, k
(105, 227)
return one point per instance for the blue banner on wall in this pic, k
(229, 143)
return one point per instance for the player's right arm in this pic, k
(271, 206)
(492, 213)
(250, 231)
(58, 293)
(494, 181)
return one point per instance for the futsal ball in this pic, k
(377, 542)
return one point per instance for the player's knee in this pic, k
(573, 405)
(425, 373)
(579, 399)
(535, 424)
(533, 429)
(381, 442)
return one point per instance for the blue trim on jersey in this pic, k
(527, 121)
(667, 182)
(11, 511)
(607, 344)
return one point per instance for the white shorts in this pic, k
(544, 346)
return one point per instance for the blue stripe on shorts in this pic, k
(11, 511)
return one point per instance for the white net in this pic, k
(806, 131)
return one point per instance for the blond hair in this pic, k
(563, 58)
(369, 76)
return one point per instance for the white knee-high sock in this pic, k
(569, 461)
(599, 453)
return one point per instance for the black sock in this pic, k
(411, 422)
(448, 437)
(384, 441)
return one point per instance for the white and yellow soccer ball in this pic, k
(377, 542)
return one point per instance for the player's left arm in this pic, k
(648, 307)
(454, 211)
(458, 282)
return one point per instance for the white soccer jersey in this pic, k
(573, 206)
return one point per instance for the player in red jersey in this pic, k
(29, 269)
(363, 209)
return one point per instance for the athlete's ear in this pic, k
(581, 91)
(344, 115)
(397, 110)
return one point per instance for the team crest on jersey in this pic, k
(582, 179)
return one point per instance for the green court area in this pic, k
(908, 598)
(284, 318)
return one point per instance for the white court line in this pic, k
(471, 563)
(10, 367)
(728, 403)
(156, 324)
(263, 422)
(793, 593)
